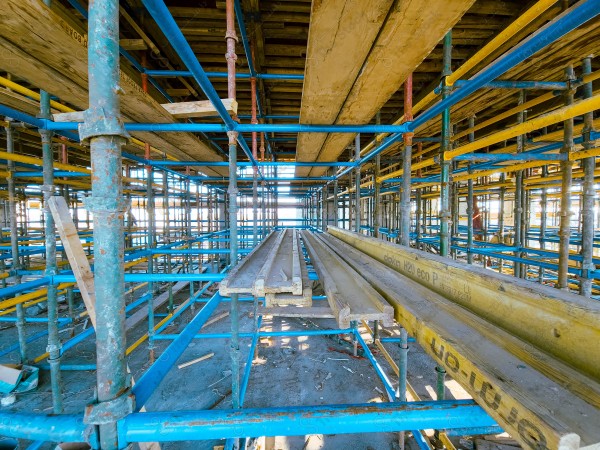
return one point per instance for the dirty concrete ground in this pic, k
(289, 371)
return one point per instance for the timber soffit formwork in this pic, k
(64, 73)
(353, 70)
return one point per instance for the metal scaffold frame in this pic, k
(116, 417)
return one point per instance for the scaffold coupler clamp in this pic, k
(98, 123)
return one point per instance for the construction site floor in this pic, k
(290, 371)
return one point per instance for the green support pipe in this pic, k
(233, 253)
(14, 241)
(589, 193)
(444, 147)
(470, 209)
(402, 373)
(440, 390)
(543, 221)
(150, 210)
(377, 197)
(54, 345)
(357, 185)
(275, 201)
(566, 168)
(188, 231)
(406, 171)
(377, 223)
(518, 211)
(335, 203)
(167, 234)
(104, 130)
(419, 217)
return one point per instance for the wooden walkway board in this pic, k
(202, 108)
(60, 67)
(351, 298)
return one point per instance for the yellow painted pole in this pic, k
(510, 31)
(65, 109)
(559, 115)
(519, 24)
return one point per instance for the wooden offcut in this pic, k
(197, 360)
(75, 253)
(313, 312)
(202, 108)
(82, 271)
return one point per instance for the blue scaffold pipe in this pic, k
(154, 375)
(40, 427)
(167, 426)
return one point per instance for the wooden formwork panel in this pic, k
(41, 47)
(358, 56)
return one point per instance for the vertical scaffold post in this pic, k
(54, 345)
(402, 372)
(518, 212)
(470, 208)
(335, 203)
(406, 165)
(151, 245)
(589, 193)
(106, 134)
(151, 221)
(376, 197)
(566, 167)
(444, 207)
(441, 395)
(543, 221)
(255, 156)
(231, 39)
(167, 233)
(357, 184)
(14, 239)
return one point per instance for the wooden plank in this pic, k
(81, 268)
(76, 116)
(133, 44)
(341, 34)
(201, 108)
(75, 253)
(410, 33)
(315, 312)
(197, 360)
(563, 323)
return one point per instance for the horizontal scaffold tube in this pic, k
(560, 115)
(242, 128)
(558, 323)
(334, 419)
(56, 428)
